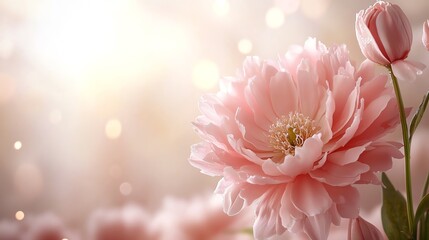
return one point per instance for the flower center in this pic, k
(289, 132)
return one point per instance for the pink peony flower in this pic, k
(359, 229)
(200, 218)
(129, 222)
(385, 36)
(425, 37)
(293, 135)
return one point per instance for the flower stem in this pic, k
(410, 209)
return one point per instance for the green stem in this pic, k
(410, 209)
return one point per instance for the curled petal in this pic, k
(406, 70)
(359, 229)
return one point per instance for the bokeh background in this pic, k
(97, 96)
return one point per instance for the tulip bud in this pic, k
(385, 36)
(359, 229)
(425, 37)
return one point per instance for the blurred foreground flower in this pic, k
(294, 135)
(129, 222)
(46, 226)
(385, 37)
(200, 218)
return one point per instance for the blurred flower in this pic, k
(425, 37)
(200, 218)
(359, 229)
(46, 227)
(385, 36)
(129, 222)
(293, 135)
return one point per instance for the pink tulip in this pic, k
(425, 37)
(359, 229)
(385, 36)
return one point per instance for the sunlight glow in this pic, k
(104, 44)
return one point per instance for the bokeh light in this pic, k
(245, 46)
(19, 215)
(221, 7)
(274, 17)
(113, 129)
(125, 188)
(17, 145)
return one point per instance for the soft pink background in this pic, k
(69, 67)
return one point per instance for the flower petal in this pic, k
(406, 70)
(251, 132)
(336, 175)
(268, 221)
(310, 196)
(317, 227)
(306, 82)
(347, 200)
(304, 159)
(283, 93)
(346, 156)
